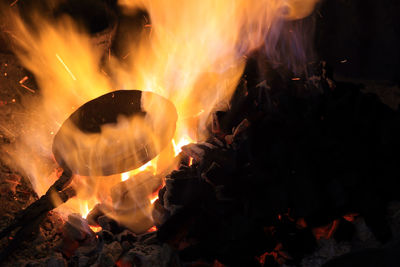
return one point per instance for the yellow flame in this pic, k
(85, 208)
(152, 200)
(125, 176)
(185, 140)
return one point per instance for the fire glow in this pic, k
(194, 56)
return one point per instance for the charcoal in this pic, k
(377, 222)
(240, 130)
(76, 232)
(159, 213)
(345, 231)
(148, 256)
(197, 152)
(176, 225)
(367, 258)
(126, 235)
(106, 236)
(181, 191)
(270, 262)
(218, 126)
(215, 175)
(161, 193)
(77, 228)
(113, 249)
(184, 160)
(215, 141)
(108, 224)
(56, 261)
(151, 240)
(126, 245)
(87, 249)
(106, 259)
(97, 211)
(143, 237)
(297, 242)
(83, 261)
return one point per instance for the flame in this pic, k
(185, 140)
(150, 166)
(125, 176)
(85, 207)
(194, 56)
(153, 199)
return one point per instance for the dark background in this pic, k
(363, 32)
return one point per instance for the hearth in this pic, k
(133, 139)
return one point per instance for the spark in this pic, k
(13, 3)
(23, 80)
(27, 88)
(66, 67)
(127, 55)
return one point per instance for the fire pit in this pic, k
(243, 149)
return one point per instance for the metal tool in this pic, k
(114, 133)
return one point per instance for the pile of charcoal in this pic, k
(288, 164)
(113, 245)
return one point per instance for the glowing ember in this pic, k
(327, 231)
(152, 229)
(350, 217)
(95, 229)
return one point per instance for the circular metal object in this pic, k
(115, 133)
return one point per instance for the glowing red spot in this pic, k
(152, 229)
(350, 217)
(327, 231)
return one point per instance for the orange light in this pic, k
(154, 199)
(150, 166)
(152, 229)
(95, 229)
(185, 140)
